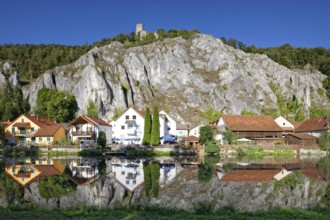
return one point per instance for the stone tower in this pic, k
(139, 28)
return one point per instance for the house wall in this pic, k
(59, 135)
(182, 133)
(289, 139)
(83, 128)
(43, 141)
(259, 134)
(121, 130)
(195, 131)
(167, 127)
(9, 133)
(314, 133)
(282, 122)
(108, 132)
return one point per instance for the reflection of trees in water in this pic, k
(324, 166)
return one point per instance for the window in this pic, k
(122, 127)
(32, 128)
(283, 123)
(127, 116)
(134, 116)
(48, 139)
(13, 129)
(40, 139)
(22, 119)
(122, 172)
(127, 181)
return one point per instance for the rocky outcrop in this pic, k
(184, 76)
(185, 191)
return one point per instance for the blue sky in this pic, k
(301, 23)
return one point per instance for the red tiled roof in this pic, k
(47, 131)
(191, 139)
(296, 124)
(40, 121)
(249, 175)
(251, 123)
(303, 136)
(315, 124)
(287, 128)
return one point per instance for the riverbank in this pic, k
(154, 212)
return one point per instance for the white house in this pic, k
(128, 128)
(87, 128)
(182, 130)
(195, 130)
(167, 124)
(168, 172)
(128, 173)
(284, 124)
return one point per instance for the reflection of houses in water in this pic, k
(266, 169)
(168, 170)
(128, 173)
(26, 172)
(83, 171)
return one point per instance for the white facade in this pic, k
(128, 173)
(89, 130)
(195, 131)
(168, 172)
(167, 124)
(220, 128)
(283, 123)
(128, 128)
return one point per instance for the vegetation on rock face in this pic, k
(13, 192)
(56, 186)
(319, 112)
(324, 166)
(211, 114)
(12, 103)
(2, 135)
(92, 109)
(102, 139)
(147, 128)
(154, 138)
(57, 105)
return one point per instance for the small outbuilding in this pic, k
(300, 139)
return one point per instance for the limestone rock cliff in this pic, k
(185, 77)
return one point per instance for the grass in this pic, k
(155, 212)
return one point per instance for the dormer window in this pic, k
(22, 119)
(284, 123)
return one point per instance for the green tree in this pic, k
(154, 139)
(324, 166)
(155, 173)
(92, 109)
(2, 134)
(56, 186)
(212, 114)
(205, 172)
(246, 112)
(324, 141)
(147, 179)
(62, 107)
(43, 97)
(229, 137)
(206, 134)
(102, 139)
(300, 115)
(212, 147)
(147, 128)
(12, 103)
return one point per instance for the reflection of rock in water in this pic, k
(184, 190)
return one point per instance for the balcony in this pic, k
(83, 133)
(20, 133)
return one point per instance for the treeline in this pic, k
(33, 60)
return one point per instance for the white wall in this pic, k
(108, 132)
(282, 122)
(195, 131)
(121, 130)
(91, 127)
(222, 125)
(123, 170)
(182, 133)
(167, 127)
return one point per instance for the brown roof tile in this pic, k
(182, 127)
(21, 124)
(296, 124)
(47, 131)
(314, 124)
(251, 123)
(89, 119)
(249, 175)
(191, 139)
(303, 136)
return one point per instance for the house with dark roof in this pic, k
(87, 128)
(39, 131)
(314, 126)
(253, 127)
(301, 139)
(286, 126)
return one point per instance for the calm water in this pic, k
(130, 173)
